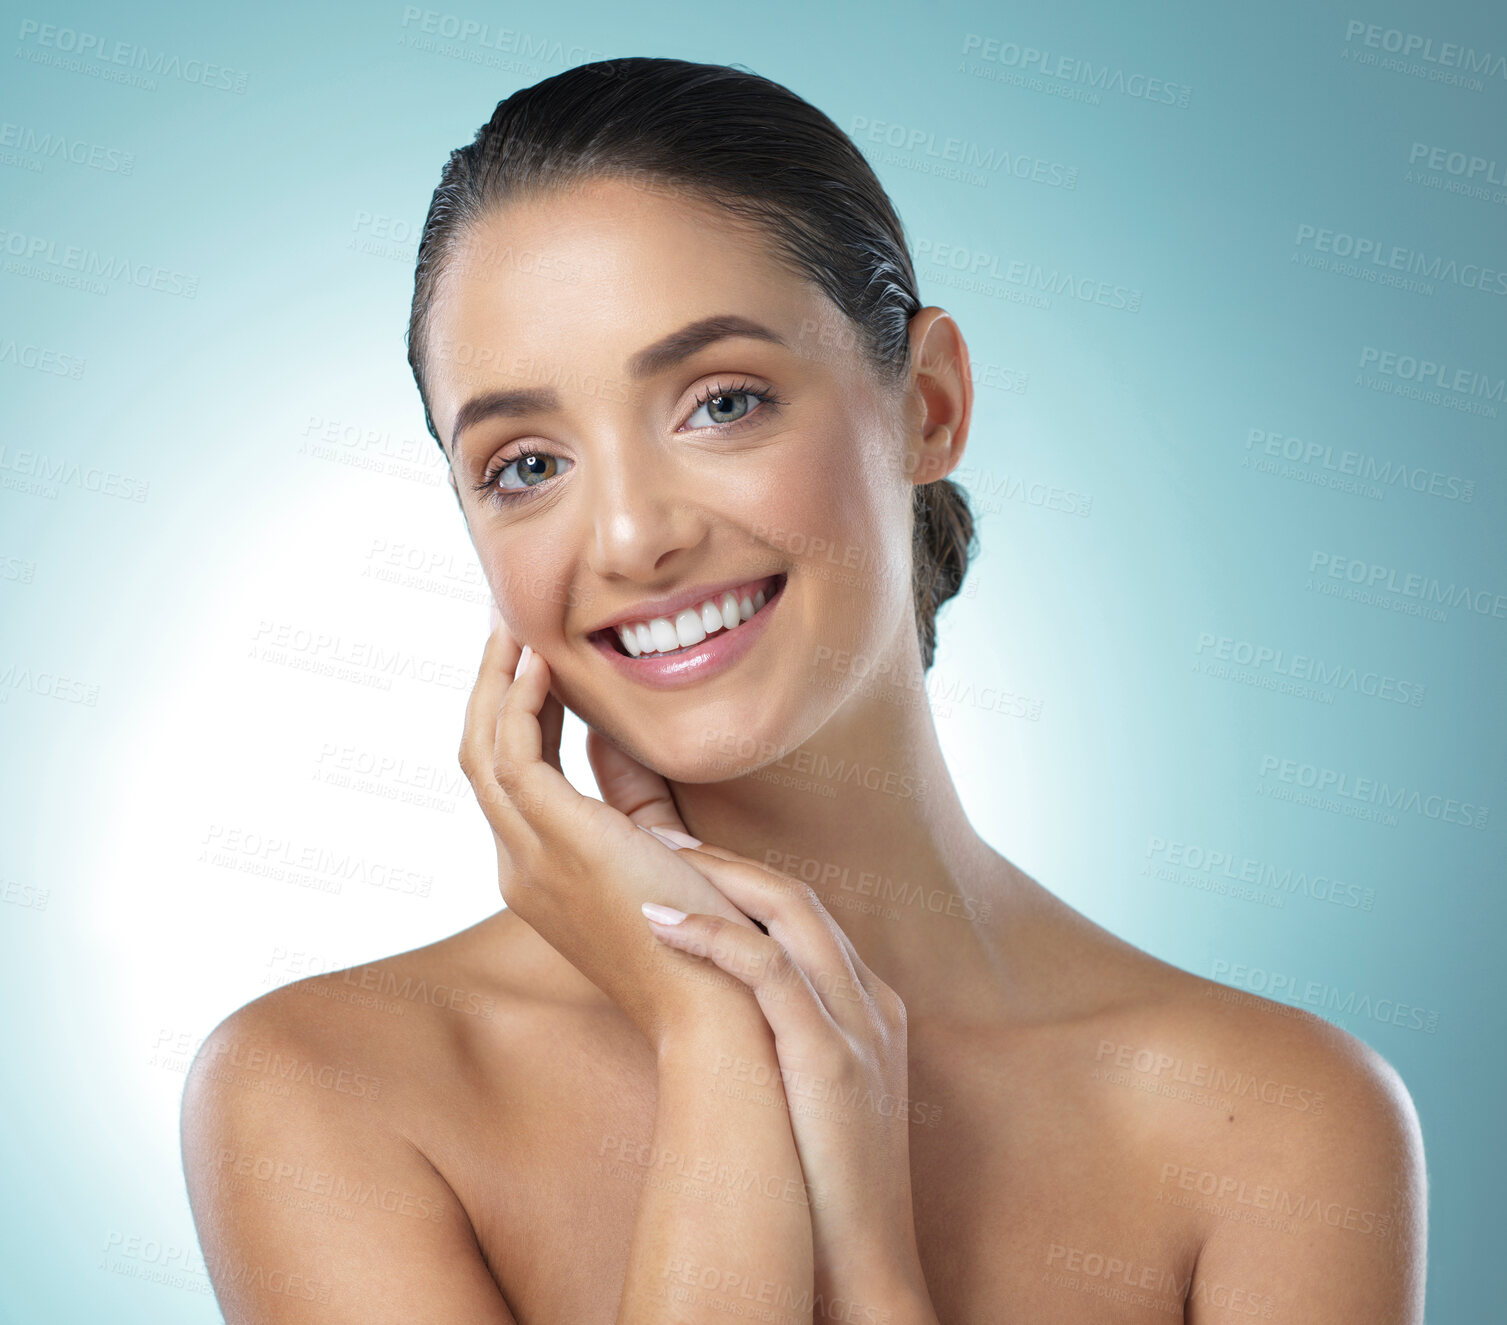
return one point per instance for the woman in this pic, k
(808, 1048)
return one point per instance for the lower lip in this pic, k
(713, 655)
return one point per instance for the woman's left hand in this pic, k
(840, 1037)
(840, 1040)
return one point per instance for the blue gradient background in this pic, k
(272, 428)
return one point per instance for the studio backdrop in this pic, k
(1226, 674)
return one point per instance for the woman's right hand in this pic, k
(576, 869)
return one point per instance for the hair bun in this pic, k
(943, 540)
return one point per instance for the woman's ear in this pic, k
(939, 396)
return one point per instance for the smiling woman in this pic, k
(698, 424)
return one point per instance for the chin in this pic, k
(725, 738)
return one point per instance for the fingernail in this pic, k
(496, 616)
(674, 838)
(666, 915)
(528, 652)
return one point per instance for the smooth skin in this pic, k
(583, 1116)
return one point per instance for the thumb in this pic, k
(630, 788)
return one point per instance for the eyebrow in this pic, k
(665, 353)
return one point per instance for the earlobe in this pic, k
(933, 455)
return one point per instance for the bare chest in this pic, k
(1027, 1205)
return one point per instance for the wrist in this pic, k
(718, 1026)
(891, 1292)
(912, 1306)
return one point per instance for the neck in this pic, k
(867, 814)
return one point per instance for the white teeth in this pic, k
(690, 626)
(663, 634)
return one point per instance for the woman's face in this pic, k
(643, 466)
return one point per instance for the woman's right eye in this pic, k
(530, 470)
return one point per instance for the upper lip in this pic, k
(670, 604)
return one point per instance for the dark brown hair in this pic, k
(766, 157)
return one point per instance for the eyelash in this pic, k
(505, 496)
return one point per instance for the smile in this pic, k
(688, 627)
(696, 642)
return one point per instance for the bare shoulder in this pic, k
(305, 1181)
(357, 1031)
(1289, 1150)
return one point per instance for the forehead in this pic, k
(577, 281)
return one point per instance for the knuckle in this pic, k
(779, 969)
(526, 862)
(892, 1016)
(508, 771)
(490, 795)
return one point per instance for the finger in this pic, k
(479, 731)
(630, 788)
(795, 918)
(537, 788)
(865, 975)
(791, 1006)
(551, 724)
(723, 907)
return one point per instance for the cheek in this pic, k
(844, 518)
(532, 586)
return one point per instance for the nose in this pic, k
(643, 510)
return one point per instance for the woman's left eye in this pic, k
(726, 405)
